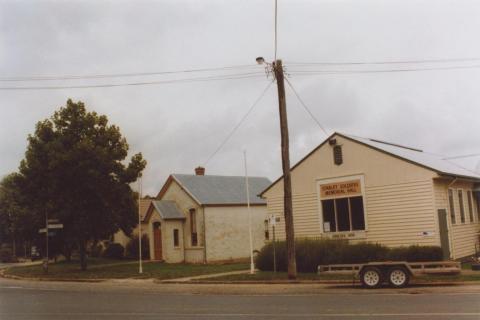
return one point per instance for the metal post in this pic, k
(274, 253)
(140, 266)
(252, 267)
(45, 263)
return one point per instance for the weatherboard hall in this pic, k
(369, 190)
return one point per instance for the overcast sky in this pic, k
(178, 126)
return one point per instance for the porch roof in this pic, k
(168, 210)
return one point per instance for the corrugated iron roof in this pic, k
(433, 161)
(428, 160)
(168, 210)
(228, 190)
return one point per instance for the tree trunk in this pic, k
(83, 255)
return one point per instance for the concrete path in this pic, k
(205, 276)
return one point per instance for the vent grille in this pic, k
(337, 155)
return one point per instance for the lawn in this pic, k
(120, 269)
(269, 276)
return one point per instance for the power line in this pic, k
(111, 85)
(384, 62)
(120, 75)
(239, 123)
(305, 107)
(319, 72)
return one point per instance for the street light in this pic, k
(260, 60)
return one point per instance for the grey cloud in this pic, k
(178, 126)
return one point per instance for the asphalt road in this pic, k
(22, 300)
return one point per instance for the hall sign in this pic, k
(341, 189)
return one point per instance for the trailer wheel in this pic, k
(371, 277)
(398, 277)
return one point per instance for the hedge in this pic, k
(311, 253)
(114, 251)
(132, 247)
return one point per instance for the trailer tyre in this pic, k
(398, 277)
(371, 277)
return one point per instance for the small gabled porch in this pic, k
(165, 229)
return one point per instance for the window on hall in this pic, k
(452, 206)
(193, 227)
(344, 214)
(267, 233)
(477, 198)
(462, 207)
(470, 206)
(176, 240)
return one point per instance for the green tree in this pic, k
(15, 221)
(74, 171)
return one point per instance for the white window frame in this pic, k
(322, 181)
(470, 205)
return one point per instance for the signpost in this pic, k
(50, 224)
(273, 223)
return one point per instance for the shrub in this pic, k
(96, 250)
(132, 248)
(6, 255)
(114, 251)
(311, 253)
(416, 253)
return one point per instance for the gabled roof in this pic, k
(144, 204)
(428, 160)
(418, 157)
(168, 210)
(219, 190)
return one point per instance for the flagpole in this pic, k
(140, 267)
(252, 268)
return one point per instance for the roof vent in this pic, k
(337, 155)
(200, 171)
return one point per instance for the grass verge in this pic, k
(282, 276)
(279, 276)
(120, 269)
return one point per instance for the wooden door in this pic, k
(444, 238)
(157, 242)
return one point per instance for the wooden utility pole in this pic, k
(287, 184)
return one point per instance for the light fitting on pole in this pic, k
(260, 60)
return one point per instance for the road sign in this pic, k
(272, 220)
(55, 226)
(50, 232)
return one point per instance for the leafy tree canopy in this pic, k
(15, 223)
(74, 171)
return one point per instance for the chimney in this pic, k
(200, 171)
